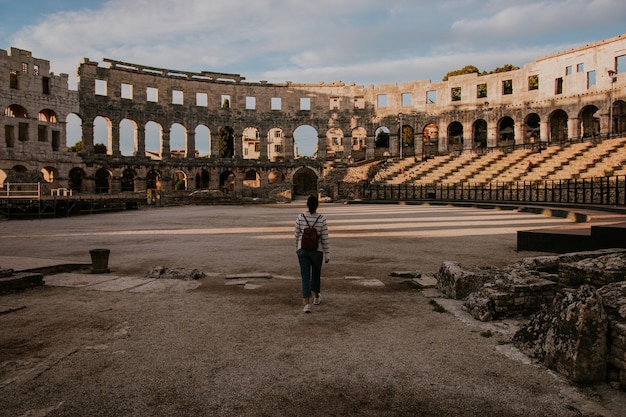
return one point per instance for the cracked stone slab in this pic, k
(171, 285)
(372, 283)
(425, 281)
(287, 277)
(238, 281)
(77, 280)
(120, 284)
(251, 286)
(250, 275)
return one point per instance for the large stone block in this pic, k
(570, 336)
(457, 282)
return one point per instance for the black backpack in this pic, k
(310, 237)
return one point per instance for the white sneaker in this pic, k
(317, 300)
(307, 308)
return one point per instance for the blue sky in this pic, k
(361, 41)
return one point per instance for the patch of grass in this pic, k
(437, 307)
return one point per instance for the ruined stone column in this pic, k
(544, 132)
(140, 146)
(370, 148)
(573, 128)
(115, 139)
(165, 145)
(87, 138)
(321, 147)
(264, 143)
(238, 145)
(288, 142)
(191, 145)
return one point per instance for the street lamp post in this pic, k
(401, 135)
(613, 79)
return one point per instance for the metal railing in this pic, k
(21, 190)
(605, 191)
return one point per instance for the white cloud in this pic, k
(365, 41)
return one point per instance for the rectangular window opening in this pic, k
(101, 88)
(455, 93)
(558, 86)
(305, 103)
(42, 133)
(568, 70)
(56, 140)
(177, 97)
(202, 99)
(225, 100)
(507, 87)
(431, 97)
(13, 80)
(24, 68)
(35, 69)
(45, 85)
(591, 79)
(481, 91)
(407, 99)
(250, 103)
(152, 94)
(127, 91)
(580, 68)
(381, 100)
(533, 82)
(276, 103)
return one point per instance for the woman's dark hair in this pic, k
(312, 204)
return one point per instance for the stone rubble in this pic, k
(161, 272)
(575, 304)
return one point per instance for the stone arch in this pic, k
(305, 141)
(455, 136)
(334, 143)
(531, 132)
(153, 140)
(103, 134)
(73, 129)
(178, 140)
(618, 125)
(179, 182)
(506, 131)
(304, 182)
(47, 115)
(227, 181)
(359, 143)
(275, 177)
(103, 181)
(479, 134)
(251, 143)
(251, 179)
(431, 140)
(226, 140)
(128, 180)
(203, 179)
(128, 137)
(17, 111)
(408, 140)
(589, 123)
(381, 142)
(558, 126)
(153, 179)
(203, 141)
(75, 181)
(276, 144)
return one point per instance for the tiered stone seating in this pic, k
(435, 175)
(609, 155)
(548, 168)
(579, 160)
(420, 169)
(476, 166)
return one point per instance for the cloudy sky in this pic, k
(361, 41)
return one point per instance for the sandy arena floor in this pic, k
(119, 344)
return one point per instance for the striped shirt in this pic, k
(321, 226)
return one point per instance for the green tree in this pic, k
(504, 68)
(78, 147)
(468, 69)
(100, 148)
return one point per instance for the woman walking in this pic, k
(313, 248)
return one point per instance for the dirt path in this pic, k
(225, 350)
